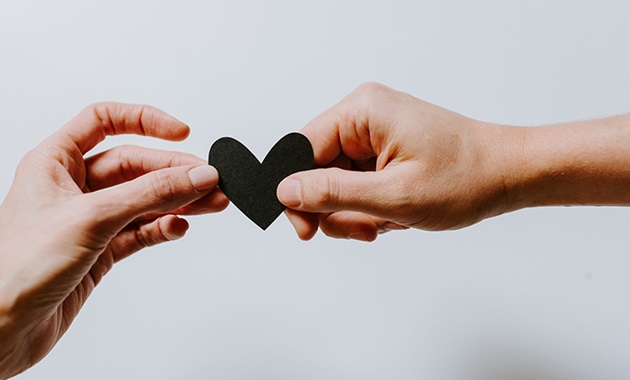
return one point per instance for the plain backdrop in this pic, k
(539, 294)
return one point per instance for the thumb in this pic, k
(334, 189)
(159, 191)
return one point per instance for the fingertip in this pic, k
(176, 129)
(179, 132)
(184, 132)
(173, 227)
(219, 200)
(307, 235)
(305, 224)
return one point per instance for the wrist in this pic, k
(579, 163)
(504, 171)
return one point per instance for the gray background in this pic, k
(537, 294)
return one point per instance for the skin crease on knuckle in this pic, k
(163, 189)
(124, 156)
(145, 238)
(325, 191)
(126, 115)
(101, 112)
(370, 92)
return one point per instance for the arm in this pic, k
(390, 161)
(577, 163)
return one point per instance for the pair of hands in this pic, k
(386, 161)
(65, 222)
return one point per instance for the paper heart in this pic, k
(251, 185)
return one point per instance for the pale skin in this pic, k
(386, 161)
(389, 161)
(63, 225)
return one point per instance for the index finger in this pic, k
(351, 126)
(100, 120)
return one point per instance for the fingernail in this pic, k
(203, 177)
(290, 192)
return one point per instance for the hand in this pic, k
(389, 161)
(65, 223)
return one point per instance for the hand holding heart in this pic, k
(65, 223)
(384, 160)
(390, 161)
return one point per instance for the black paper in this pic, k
(250, 185)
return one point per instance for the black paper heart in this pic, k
(250, 185)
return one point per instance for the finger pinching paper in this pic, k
(252, 185)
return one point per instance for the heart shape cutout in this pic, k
(252, 185)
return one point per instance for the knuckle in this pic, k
(145, 109)
(151, 234)
(144, 237)
(401, 193)
(124, 152)
(102, 113)
(101, 109)
(162, 187)
(100, 105)
(124, 156)
(404, 197)
(370, 90)
(365, 100)
(326, 192)
(115, 118)
(28, 160)
(144, 112)
(125, 149)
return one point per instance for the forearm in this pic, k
(577, 163)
